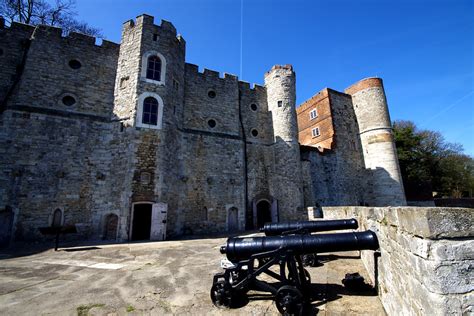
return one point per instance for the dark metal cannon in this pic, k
(284, 228)
(308, 227)
(249, 257)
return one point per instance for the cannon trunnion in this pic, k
(249, 257)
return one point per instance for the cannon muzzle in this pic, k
(274, 229)
(238, 248)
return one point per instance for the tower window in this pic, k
(313, 114)
(315, 132)
(68, 100)
(212, 123)
(280, 104)
(75, 64)
(150, 111)
(254, 133)
(211, 94)
(253, 107)
(155, 37)
(153, 70)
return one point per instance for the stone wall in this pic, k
(426, 257)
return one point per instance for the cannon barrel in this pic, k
(238, 248)
(273, 229)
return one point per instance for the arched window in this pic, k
(150, 111)
(153, 70)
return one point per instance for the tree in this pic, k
(429, 163)
(61, 14)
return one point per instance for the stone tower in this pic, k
(149, 96)
(287, 181)
(378, 145)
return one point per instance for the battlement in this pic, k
(192, 69)
(246, 86)
(280, 67)
(148, 21)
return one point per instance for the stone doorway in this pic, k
(264, 213)
(141, 221)
(111, 226)
(233, 219)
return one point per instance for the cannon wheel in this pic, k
(289, 301)
(221, 294)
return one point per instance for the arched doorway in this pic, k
(264, 213)
(233, 219)
(57, 218)
(111, 225)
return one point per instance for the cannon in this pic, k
(250, 257)
(308, 227)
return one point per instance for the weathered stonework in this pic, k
(426, 257)
(222, 156)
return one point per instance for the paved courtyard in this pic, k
(153, 278)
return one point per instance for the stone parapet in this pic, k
(426, 257)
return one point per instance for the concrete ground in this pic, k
(153, 278)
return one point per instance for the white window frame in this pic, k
(313, 114)
(145, 67)
(315, 132)
(138, 119)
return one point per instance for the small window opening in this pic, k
(254, 133)
(123, 82)
(253, 107)
(313, 114)
(212, 123)
(175, 84)
(155, 37)
(153, 70)
(150, 111)
(145, 178)
(315, 132)
(75, 64)
(69, 100)
(280, 104)
(1, 52)
(211, 94)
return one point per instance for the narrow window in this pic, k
(150, 111)
(313, 114)
(315, 132)
(280, 104)
(155, 37)
(153, 70)
(253, 107)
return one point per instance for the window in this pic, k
(57, 218)
(315, 132)
(313, 114)
(253, 107)
(68, 100)
(211, 94)
(1, 52)
(254, 132)
(280, 104)
(212, 123)
(75, 64)
(155, 37)
(150, 111)
(153, 70)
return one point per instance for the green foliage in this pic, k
(429, 163)
(83, 310)
(130, 308)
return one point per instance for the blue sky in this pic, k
(422, 49)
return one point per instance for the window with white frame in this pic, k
(315, 132)
(153, 67)
(313, 114)
(150, 111)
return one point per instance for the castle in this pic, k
(129, 142)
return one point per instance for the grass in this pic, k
(130, 308)
(83, 310)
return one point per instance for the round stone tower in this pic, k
(380, 154)
(286, 185)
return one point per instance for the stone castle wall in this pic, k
(426, 257)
